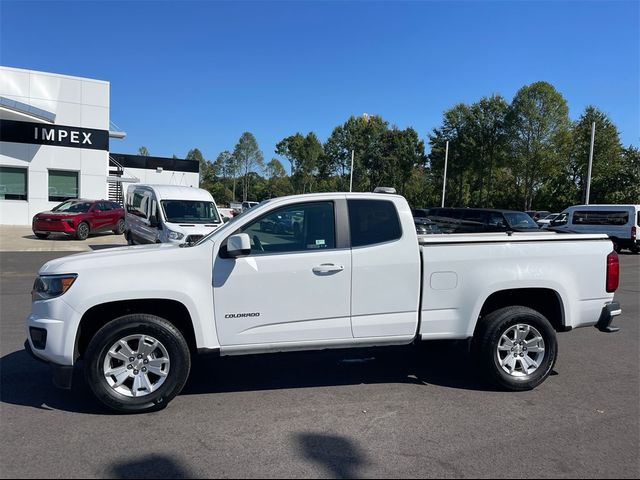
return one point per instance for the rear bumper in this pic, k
(62, 375)
(609, 312)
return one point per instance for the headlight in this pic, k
(51, 286)
(175, 235)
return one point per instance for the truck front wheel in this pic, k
(137, 363)
(516, 347)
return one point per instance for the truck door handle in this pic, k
(328, 268)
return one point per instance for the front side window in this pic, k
(13, 183)
(296, 228)
(189, 211)
(137, 204)
(373, 221)
(62, 185)
(593, 217)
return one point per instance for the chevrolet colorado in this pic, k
(354, 274)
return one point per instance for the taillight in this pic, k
(633, 234)
(613, 272)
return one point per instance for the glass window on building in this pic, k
(13, 183)
(63, 185)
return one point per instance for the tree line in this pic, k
(523, 155)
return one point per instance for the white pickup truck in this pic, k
(354, 275)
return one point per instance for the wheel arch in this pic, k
(546, 301)
(99, 315)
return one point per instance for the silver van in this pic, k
(620, 222)
(169, 213)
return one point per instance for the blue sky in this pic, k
(198, 74)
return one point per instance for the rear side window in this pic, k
(373, 221)
(594, 217)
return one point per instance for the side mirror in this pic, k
(153, 221)
(238, 245)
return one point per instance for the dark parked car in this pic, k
(80, 218)
(424, 226)
(477, 220)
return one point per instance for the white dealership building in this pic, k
(55, 134)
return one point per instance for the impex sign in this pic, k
(58, 135)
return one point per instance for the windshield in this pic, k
(521, 221)
(72, 207)
(230, 223)
(189, 211)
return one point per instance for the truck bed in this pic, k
(460, 271)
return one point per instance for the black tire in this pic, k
(42, 236)
(119, 230)
(635, 249)
(82, 232)
(130, 325)
(488, 338)
(129, 238)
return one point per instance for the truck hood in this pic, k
(115, 258)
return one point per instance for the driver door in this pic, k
(294, 286)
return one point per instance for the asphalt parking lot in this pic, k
(402, 412)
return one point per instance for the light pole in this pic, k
(444, 181)
(351, 172)
(593, 136)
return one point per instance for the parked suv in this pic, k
(79, 218)
(476, 220)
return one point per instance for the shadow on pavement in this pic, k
(150, 466)
(339, 456)
(27, 382)
(438, 363)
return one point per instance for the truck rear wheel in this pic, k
(516, 347)
(137, 363)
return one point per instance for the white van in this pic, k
(620, 222)
(169, 213)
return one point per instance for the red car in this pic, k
(80, 218)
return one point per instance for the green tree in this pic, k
(486, 142)
(207, 175)
(248, 158)
(143, 151)
(629, 178)
(304, 153)
(607, 158)
(366, 137)
(540, 137)
(456, 131)
(278, 183)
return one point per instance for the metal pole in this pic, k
(593, 135)
(444, 182)
(351, 180)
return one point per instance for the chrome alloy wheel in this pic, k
(520, 350)
(136, 365)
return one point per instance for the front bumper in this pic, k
(53, 226)
(609, 312)
(62, 375)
